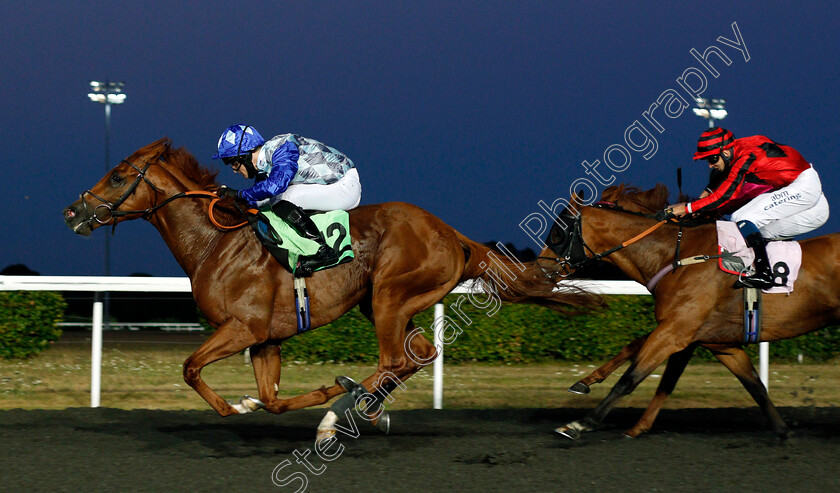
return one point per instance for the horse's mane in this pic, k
(205, 179)
(635, 199)
(182, 159)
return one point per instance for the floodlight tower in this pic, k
(107, 93)
(710, 109)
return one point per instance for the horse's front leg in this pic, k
(659, 345)
(598, 376)
(673, 371)
(230, 338)
(266, 360)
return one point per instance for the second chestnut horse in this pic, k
(694, 304)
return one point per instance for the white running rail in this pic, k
(182, 285)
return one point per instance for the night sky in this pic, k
(475, 111)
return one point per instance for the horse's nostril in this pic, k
(69, 213)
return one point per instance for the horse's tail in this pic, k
(516, 281)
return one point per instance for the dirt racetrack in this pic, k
(84, 449)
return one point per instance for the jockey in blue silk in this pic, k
(291, 173)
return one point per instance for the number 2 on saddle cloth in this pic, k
(289, 247)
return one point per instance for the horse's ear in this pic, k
(161, 147)
(164, 144)
(579, 197)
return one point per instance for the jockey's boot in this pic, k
(763, 277)
(302, 223)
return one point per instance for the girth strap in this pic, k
(699, 259)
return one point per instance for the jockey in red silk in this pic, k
(769, 188)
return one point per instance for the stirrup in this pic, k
(755, 282)
(325, 256)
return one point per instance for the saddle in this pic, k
(736, 258)
(291, 249)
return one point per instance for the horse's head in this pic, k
(128, 191)
(565, 240)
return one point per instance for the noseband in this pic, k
(111, 208)
(571, 250)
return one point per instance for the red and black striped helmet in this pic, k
(713, 141)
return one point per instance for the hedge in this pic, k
(28, 322)
(527, 333)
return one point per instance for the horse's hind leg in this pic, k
(381, 384)
(673, 371)
(739, 363)
(399, 364)
(598, 376)
(396, 364)
(266, 361)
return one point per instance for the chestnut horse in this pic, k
(406, 260)
(694, 304)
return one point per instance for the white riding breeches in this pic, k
(796, 209)
(345, 194)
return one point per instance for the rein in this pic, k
(114, 213)
(598, 256)
(215, 199)
(569, 264)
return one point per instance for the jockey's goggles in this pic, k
(235, 161)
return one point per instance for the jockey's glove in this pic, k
(665, 214)
(225, 191)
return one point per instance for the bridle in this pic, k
(112, 207)
(572, 250)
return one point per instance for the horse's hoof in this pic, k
(383, 422)
(346, 382)
(326, 428)
(324, 435)
(579, 388)
(783, 436)
(568, 431)
(247, 404)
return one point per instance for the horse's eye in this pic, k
(116, 179)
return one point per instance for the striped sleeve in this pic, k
(727, 190)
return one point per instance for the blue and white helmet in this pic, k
(238, 139)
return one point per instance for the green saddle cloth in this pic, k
(334, 225)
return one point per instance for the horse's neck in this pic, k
(641, 260)
(184, 226)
